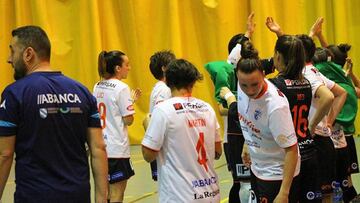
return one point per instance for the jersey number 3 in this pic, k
(200, 149)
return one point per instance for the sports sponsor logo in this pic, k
(44, 112)
(252, 143)
(107, 84)
(130, 108)
(310, 195)
(206, 194)
(178, 106)
(250, 124)
(193, 105)
(242, 171)
(57, 98)
(257, 114)
(203, 182)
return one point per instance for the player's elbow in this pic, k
(128, 120)
(149, 155)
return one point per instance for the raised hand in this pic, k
(135, 94)
(273, 26)
(316, 29)
(250, 25)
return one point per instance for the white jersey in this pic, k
(268, 128)
(338, 137)
(160, 93)
(114, 103)
(316, 80)
(184, 131)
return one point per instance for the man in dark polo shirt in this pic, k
(46, 119)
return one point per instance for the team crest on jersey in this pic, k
(178, 106)
(3, 104)
(257, 114)
(43, 113)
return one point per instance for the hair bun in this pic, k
(248, 51)
(344, 47)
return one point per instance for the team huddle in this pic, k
(286, 139)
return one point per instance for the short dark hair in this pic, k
(107, 61)
(309, 46)
(34, 37)
(293, 53)
(238, 38)
(322, 55)
(340, 53)
(249, 61)
(181, 74)
(158, 60)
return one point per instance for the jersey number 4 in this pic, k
(300, 123)
(201, 151)
(102, 112)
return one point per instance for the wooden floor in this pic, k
(142, 189)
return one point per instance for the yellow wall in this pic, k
(197, 30)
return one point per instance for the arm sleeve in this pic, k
(282, 127)
(155, 133)
(9, 114)
(125, 102)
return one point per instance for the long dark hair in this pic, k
(293, 53)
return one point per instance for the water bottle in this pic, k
(338, 195)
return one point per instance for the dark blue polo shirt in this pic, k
(49, 114)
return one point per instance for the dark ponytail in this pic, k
(292, 50)
(107, 61)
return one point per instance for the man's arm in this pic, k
(99, 163)
(149, 154)
(291, 157)
(7, 146)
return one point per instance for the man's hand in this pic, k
(273, 26)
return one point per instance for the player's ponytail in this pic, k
(293, 54)
(107, 61)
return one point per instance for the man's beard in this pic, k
(19, 70)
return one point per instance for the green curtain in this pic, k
(197, 30)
